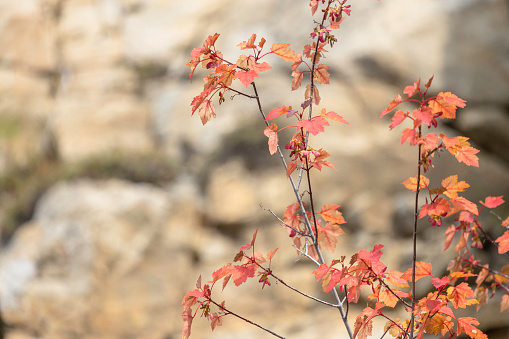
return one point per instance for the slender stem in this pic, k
(414, 257)
(245, 319)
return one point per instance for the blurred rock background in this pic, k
(113, 199)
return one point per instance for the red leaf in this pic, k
(284, 52)
(492, 202)
(277, 112)
(397, 118)
(333, 116)
(412, 89)
(271, 133)
(314, 126)
(246, 77)
(328, 235)
(392, 105)
(411, 135)
(449, 236)
(437, 282)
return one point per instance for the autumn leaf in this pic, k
(314, 126)
(392, 105)
(241, 273)
(411, 135)
(271, 133)
(503, 241)
(297, 79)
(395, 277)
(397, 118)
(314, 6)
(467, 325)
(504, 304)
(321, 75)
(388, 298)
(412, 89)
(462, 204)
(437, 282)
(363, 327)
(439, 207)
(449, 236)
(319, 161)
(452, 186)
(422, 269)
(248, 44)
(468, 156)
(411, 183)
(277, 112)
(446, 103)
(492, 202)
(330, 213)
(434, 324)
(328, 235)
(425, 115)
(246, 77)
(316, 95)
(284, 52)
(461, 295)
(333, 116)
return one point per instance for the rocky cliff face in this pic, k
(113, 258)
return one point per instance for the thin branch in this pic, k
(285, 224)
(245, 319)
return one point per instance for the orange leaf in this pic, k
(504, 242)
(330, 213)
(439, 207)
(249, 43)
(504, 304)
(363, 327)
(452, 186)
(388, 298)
(316, 95)
(467, 325)
(446, 103)
(333, 116)
(461, 295)
(395, 277)
(284, 52)
(297, 79)
(422, 269)
(411, 183)
(321, 75)
(328, 235)
(392, 105)
(271, 133)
